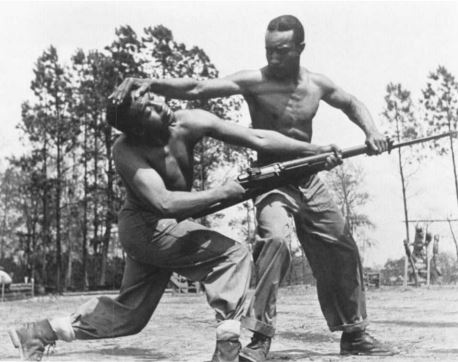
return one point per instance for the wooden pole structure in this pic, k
(428, 267)
(406, 270)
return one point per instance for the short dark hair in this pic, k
(288, 22)
(122, 116)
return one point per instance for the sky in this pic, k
(361, 46)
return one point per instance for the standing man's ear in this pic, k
(301, 47)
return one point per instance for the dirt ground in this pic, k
(421, 323)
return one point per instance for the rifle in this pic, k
(259, 180)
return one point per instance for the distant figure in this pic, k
(5, 279)
(418, 243)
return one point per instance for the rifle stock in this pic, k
(259, 180)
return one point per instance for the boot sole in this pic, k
(375, 354)
(16, 342)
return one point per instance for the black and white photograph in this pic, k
(229, 181)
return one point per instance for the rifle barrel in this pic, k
(313, 163)
(424, 139)
(359, 150)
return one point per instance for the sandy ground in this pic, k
(421, 323)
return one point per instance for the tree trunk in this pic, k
(73, 224)
(454, 238)
(109, 218)
(58, 202)
(85, 207)
(404, 201)
(68, 275)
(5, 213)
(95, 221)
(453, 155)
(45, 222)
(33, 230)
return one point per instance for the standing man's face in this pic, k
(282, 53)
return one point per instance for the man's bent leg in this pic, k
(102, 317)
(221, 264)
(272, 260)
(141, 290)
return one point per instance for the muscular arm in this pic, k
(149, 187)
(187, 88)
(201, 123)
(152, 189)
(354, 109)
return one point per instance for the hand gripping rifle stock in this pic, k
(259, 180)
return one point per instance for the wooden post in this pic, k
(406, 270)
(428, 268)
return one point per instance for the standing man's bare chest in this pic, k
(289, 111)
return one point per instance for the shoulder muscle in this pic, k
(331, 92)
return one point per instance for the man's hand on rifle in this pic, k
(232, 190)
(129, 84)
(334, 159)
(377, 143)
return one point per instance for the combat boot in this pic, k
(32, 338)
(363, 344)
(257, 349)
(227, 351)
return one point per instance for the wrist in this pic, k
(316, 149)
(217, 194)
(370, 132)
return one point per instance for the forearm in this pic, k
(181, 88)
(273, 143)
(358, 113)
(177, 203)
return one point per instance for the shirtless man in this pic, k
(154, 158)
(283, 96)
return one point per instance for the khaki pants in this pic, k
(196, 252)
(328, 245)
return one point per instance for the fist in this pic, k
(377, 143)
(334, 159)
(127, 86)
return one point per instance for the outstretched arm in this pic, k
(355, 110)
(203, 123)
(187, 88)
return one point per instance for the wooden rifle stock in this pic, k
(259, 180)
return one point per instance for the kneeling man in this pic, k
(154, 158)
